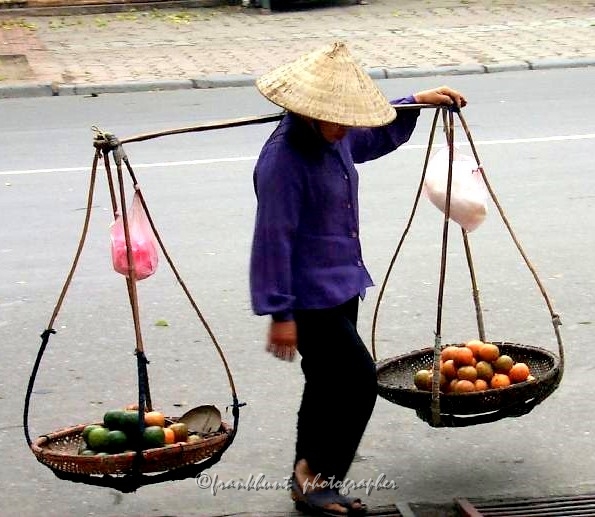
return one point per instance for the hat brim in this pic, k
(327, 84)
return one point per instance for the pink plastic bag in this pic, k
(468, 195)
(142, 241)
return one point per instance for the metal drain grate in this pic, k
(564, 506)
(398, 510)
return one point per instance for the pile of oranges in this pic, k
(474, 366)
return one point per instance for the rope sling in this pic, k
(395, 375)
(127, 472)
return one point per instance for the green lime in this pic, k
(129, 423)
(112, 419)
(88, 429)
(153, 437)
(129, 417)
(117, 441)
(87, 452)
(98, 438)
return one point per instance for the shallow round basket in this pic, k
(395, 382)
(59, 451)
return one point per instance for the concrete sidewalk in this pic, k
(204, 47)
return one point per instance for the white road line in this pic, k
(510, 141)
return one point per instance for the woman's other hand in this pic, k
(441, 96)
(282, 340)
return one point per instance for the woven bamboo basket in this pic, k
(59, 451)
(395, 382)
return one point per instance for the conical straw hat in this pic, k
(327, 84)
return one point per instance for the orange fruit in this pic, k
(499, 380)
(489, 352)
(169, 436)
(464, 386)
(467, 373)
(464, 356)
(448, 352)
(442, 383)
(481, 385)
(449, 369)
(484, 370)
(451, 385)
(519, 372)
(474, 345)
(503, 364)
(154, 418)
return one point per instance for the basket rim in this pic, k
(102, 463)
(545, 377)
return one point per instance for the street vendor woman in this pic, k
(306, 268)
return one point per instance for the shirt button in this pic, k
(345, 177)
(354, 234)
(348, 205)
(359, 263)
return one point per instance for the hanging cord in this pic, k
(179, 278)
(555, 317)
(108, 142)
(119, 156)
(435, 405)
(474, 289)
(45, 336)
(408, 226)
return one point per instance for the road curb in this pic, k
(27, 90)
(107, 8)
(545, 64)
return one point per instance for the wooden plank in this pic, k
(467, 509)
(405, 510)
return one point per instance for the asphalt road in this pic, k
(534, 133)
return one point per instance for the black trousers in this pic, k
(340, 388)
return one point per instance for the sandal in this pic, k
(316, 501)
(348, 503)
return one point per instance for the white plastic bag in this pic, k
(468, 195)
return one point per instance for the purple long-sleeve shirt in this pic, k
(306, 250)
